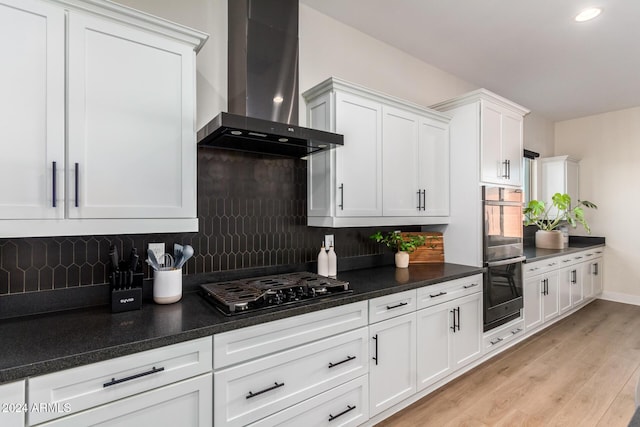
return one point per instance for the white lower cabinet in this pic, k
(392, 364)
(449, 337)
(114, 390)
(570, 287)
(185, 403)
(541, 299)
(13, 404)
(344, 405)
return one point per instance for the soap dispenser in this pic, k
(333, 262)
(323, 262)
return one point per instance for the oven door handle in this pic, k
(506, 261)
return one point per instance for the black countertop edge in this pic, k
(576, 244)
(78, 337)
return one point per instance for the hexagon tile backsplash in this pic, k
(252, 213)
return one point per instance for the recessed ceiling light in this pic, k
(588, 14)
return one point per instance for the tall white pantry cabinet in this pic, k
(98, 132)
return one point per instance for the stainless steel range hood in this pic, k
(263, 85)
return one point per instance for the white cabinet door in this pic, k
(358, 188)
(577, 286)
(512, 149)
(32, 110)
(587, 279)
(400, 186)
(501, 145)
(186, 403)
(467, 339)
(12, 399)
(392, 364)
(532, 298)
(131, 139)
(433, 166)
(550, 303)
(434, 344)
(491, 166)
(596, 276)
(559, 174)
(565, 288)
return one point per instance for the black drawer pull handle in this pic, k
(437, 295)
(349, 408)
(132, 377)
(402, 304)
(53, 179)
(376, 356)
(273, 387)
(76, 185)
(341, 205)
(349, 358)
(470, 286)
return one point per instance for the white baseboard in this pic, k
(619, 297)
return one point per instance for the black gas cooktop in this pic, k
(257, 293)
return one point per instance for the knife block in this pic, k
(125, 298)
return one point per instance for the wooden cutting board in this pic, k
(431, 252)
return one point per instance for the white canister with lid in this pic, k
(167, 286)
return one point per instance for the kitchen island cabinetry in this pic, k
(126, 162)
(13, 404)
(172, 384)
(405, 148)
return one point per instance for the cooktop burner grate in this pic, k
(250, 294)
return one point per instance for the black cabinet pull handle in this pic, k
(453, 328)
(132, 377)
(437, 295)
(341, 205)
(595, 271)
(349, 358)
(375, 338)
(53, 181)
(273, 387)
(419, 207)
(470, 286)
(349, 408)
(424, 200)
(458, 310)
(77, 195)
(508, 169)
(402, 304)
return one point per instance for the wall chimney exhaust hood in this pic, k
(263, 85)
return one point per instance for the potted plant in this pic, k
(403, 245)
(539, 214)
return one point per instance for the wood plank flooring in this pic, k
(581, 371)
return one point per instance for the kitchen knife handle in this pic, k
(76, 183)
(53, 183)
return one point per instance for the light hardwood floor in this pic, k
(581, 371)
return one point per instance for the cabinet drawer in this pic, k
(248, 392)
(345, 405)
(185, 404)
(531, 269)
(447, 291)
(502, 335)
(96, 384)
(388, 306)
(256, 341)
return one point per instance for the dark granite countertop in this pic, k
(40, 344)
(576, 244)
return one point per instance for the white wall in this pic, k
(608, 147)
(539, 134)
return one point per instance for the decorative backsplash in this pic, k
(252, 213)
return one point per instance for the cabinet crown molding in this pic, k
(480, 95)
(130, 16)
(337, 84)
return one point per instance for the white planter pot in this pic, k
(402, 259)
(549, 239)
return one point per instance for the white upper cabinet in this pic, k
(32, 109)
(559, 174)
(106, 120)
(498, 128)
(393, 168)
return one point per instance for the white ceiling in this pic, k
(530, 51)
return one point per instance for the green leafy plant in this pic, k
(397, 242)
(538, 213)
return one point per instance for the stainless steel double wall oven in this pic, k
(503, 255)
